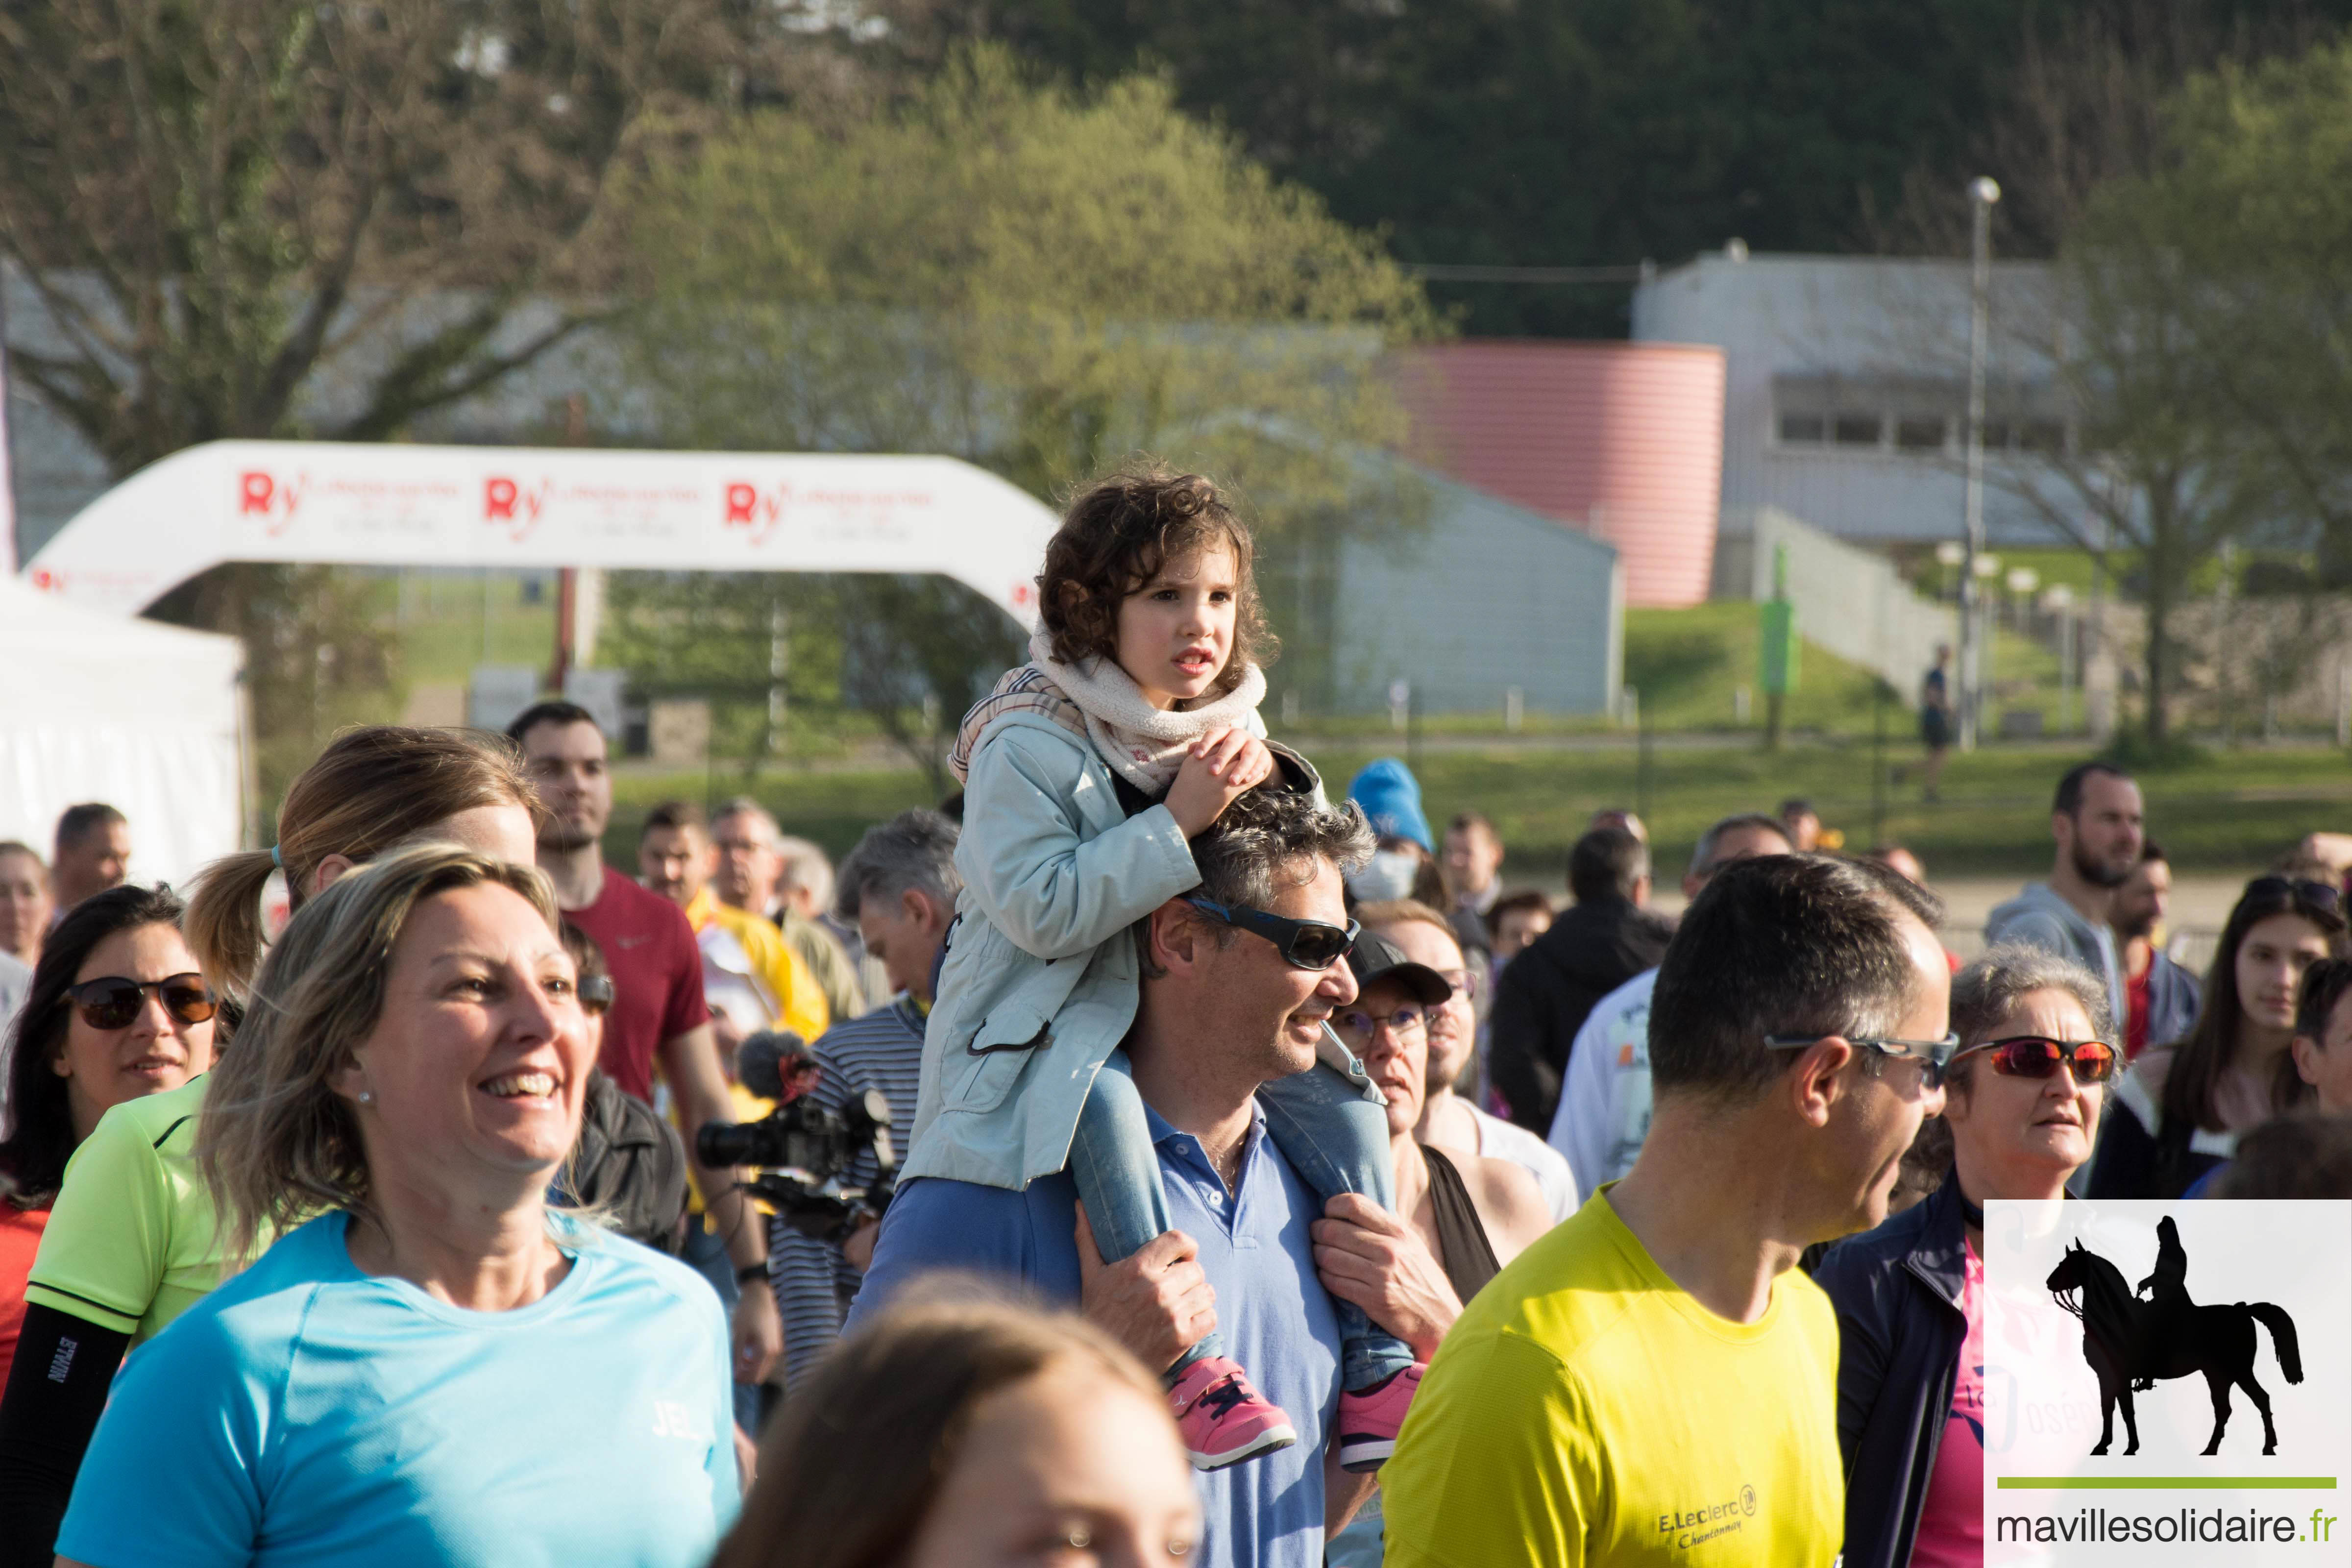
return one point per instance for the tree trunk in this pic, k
(2163, 565)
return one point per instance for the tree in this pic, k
(271, 219)
(1033, 279)
(2116, 342)
(2251, 214)
(1578, 133)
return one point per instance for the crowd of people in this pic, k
(1260, 1178)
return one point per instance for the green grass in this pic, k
(2224, 810)
(2220, 812)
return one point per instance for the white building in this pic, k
(1845, 390)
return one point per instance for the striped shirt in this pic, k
(814, 1285)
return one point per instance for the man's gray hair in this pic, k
(805, 867)
(1702, 860)
(915, 850)
(1270, 840)
(744, 806)
(1984, 992)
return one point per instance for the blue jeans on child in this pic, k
(1334, 1136)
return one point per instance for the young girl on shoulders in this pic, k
(1087, 771)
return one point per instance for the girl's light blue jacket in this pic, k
(1015, 1039)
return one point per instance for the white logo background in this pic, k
(2042, 1398)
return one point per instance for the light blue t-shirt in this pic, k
(306, 1412)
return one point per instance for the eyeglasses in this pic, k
(113, 1001)
(1359, 1025)
(2325, 895)
(1466, 982)
(2038, 1056)
(1305, 944)
(595, 994)
(1933, 1056)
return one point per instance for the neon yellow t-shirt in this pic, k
(1586, 1410)
(131, 1244)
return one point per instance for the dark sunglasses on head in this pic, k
(113, 1001)
(2038, 1056)
(2322, 895)
(1307, 944)
(595, 993)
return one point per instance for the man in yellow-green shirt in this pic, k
(1651, 1384)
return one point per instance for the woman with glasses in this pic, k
(1458, 1219)
(117, 1011)
(130, 1241)
(2180, 1107)
(2022, 1098)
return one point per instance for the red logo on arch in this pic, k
(513, 505)
(761, 511)
(270, 496)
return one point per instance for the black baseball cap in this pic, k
(1377, 958)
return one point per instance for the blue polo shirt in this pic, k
(1274, 1313)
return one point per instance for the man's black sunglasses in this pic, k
(1307, 944)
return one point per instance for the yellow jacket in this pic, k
(790, 991)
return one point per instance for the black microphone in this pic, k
(767, 1062)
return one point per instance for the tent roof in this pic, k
(61, 663)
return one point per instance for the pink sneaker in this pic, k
(1369, 1422)
(1225, 1420)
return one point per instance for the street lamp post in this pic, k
(1982, 194)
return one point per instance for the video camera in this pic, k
(803, 1148)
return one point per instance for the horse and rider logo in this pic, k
(2133, 1344)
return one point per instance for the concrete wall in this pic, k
(1492, 595)
(1848, 601)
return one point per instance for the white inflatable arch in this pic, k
(351, 504)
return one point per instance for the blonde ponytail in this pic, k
(223, 924)
(373, 788)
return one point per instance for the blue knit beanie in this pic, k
(1390, 798)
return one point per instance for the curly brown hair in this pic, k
(1115, 536)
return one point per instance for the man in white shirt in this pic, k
(1605, 1102)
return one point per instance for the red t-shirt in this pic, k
(20, 1238)
(2136, 1011)
(656, 977)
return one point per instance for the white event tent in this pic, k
(145, 717)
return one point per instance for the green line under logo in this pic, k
(2167, 1483)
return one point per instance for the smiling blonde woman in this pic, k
(428, 1364)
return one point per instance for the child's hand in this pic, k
(1220, 766)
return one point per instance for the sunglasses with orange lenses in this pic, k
(2038, 1056)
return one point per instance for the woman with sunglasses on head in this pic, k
(117, 1011)
(2022, 1098)
(131, 1243)
(2180, 1107)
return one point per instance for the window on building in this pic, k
(2044, 435)
(1920, 433)
(1856, 429)
(1996, 434)
(1803, 429)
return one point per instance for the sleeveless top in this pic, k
(1461, 1244)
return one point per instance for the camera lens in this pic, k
(727, 1144)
